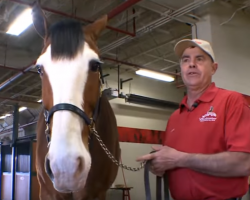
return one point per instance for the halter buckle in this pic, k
(47, 133)
(92, 125)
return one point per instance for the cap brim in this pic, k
(182, 45)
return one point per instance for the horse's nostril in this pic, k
(48, 169)
(80, 166)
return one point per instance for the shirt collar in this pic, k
(207, 96)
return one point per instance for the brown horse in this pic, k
(71, 164)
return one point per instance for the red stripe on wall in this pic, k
(145, 136)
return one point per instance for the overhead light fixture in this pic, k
(155, 75)
(22, 22)
(22, 109)
(4, 116)
(40, 100)
(142, 100)
(7, 115)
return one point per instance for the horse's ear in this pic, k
(39, 20)
(96, 27)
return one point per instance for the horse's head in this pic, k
(70, 71)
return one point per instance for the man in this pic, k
(206, 152)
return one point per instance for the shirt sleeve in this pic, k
(237, 125)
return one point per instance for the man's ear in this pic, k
(95, 29)
(39, 20)
(215, 67)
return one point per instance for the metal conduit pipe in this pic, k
(20, 126)
(17, 83)
(138, 66)
(20, 93)
(16, 76)
(15, 69)
(155, 24)
(18, 100)
(111, 14)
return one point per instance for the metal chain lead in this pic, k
(112, 157)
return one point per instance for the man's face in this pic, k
(197, 67)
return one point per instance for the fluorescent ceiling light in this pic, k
(4, 116)
(155, 75)
(22, 22)
(40, 100)
(22, 109)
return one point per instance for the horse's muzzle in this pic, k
(68, 174)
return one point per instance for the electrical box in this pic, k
(111, 93)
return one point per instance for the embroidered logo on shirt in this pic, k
(210, 116)
(172, 130)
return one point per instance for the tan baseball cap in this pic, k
(186, 43)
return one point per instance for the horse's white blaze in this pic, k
(67, 79)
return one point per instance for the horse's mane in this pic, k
(66, 39)
(106, 120)
(106, 127)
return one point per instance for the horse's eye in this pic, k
(94, 65)
(39, 69)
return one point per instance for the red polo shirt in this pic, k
(219, 121)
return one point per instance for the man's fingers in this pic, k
(146, 157)
(157, 148)
(157, 172)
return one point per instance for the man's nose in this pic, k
(192, 65)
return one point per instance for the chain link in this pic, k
(112, 157)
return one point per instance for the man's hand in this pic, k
(165, 158)
(224, 164)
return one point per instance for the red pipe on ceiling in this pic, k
(122, 7)
(111, 14)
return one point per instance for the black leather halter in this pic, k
(69, 107)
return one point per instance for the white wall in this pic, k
(231, 46)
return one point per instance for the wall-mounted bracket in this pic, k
(104, 75)
(124, 81)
